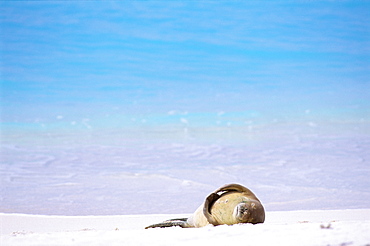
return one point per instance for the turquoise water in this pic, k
(81, 65)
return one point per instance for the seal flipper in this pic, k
(237, 188)
(182, 222)
(208, 203)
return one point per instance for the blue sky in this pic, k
(97, 64)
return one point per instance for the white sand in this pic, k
(344, 227)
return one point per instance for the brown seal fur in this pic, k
(230, 204)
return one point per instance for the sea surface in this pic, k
(159, 170)
(145, 107)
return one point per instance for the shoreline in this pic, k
(302, 227)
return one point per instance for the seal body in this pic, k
(230, 204)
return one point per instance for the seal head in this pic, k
(249, 212)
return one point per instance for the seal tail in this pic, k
(182, 222)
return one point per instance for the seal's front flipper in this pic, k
(182, 222)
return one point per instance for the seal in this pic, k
(230, 204)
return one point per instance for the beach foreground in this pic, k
(310, 227)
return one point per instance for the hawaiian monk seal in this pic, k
(230, 204)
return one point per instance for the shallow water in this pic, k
(288, 167)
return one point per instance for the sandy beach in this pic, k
(315, 227)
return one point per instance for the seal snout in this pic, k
(242, 212)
